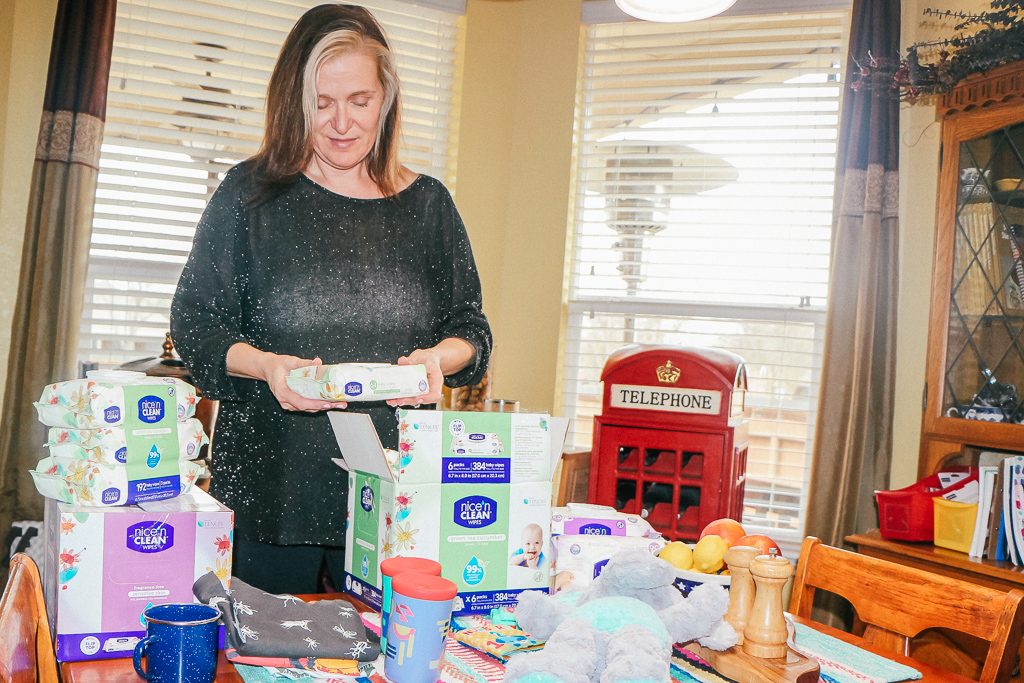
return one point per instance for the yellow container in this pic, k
(954, 524)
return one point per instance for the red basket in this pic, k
(907, 514)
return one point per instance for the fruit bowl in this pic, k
(687, 580)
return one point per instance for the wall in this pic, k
(514, 179)
(919, 172)
(24, 56)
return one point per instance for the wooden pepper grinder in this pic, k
(765, 633)
(741, 586)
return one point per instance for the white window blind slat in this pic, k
(705, 170)
(185, 103)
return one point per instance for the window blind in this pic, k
(704, 180)
(185, 103)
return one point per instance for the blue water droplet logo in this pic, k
(474, 572)
(365, 567)
(142, 615)
(153, 459)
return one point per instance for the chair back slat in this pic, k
(26, 650)
(897, 602)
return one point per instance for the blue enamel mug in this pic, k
(180, 644)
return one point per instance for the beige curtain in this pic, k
(44, 333)
(853, 441)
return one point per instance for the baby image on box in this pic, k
(530, 554)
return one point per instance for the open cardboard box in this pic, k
(469, 490)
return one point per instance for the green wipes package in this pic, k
(147, 411)
(469, 489)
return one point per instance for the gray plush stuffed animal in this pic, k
(621, 628)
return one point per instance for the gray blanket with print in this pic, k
(260, 624)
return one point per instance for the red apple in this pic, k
(761, 542)
(729, 529)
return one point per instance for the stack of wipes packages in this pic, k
(118, 438)
(358, 381)
(584, 537)
(125, 528)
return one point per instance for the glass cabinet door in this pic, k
(984, 364)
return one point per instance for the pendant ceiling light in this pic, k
(673, 10)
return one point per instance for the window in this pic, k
(185, 103)
(703, 212)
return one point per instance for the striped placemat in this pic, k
(842, 662)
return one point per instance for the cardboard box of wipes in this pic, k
(104, 565)
(470, 490)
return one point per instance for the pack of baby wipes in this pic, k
(476, 443)
(358, 381)
(109, 446)
(88, 482)
(110, 398)
(582, 558)
(598, 520)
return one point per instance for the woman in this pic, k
(320, 248)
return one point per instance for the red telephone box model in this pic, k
(671, 441)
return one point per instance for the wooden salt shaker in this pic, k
(741, 586)
(765, 632)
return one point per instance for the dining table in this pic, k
(122, 671)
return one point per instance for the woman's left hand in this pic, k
(431, 358)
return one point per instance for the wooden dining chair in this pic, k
(26, 651)
(896, 603)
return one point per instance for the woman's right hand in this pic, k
(275, 369)
(245, 360)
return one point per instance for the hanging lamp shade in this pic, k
(673, 10)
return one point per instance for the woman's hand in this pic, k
(275, 373)
(447, 358)
(244, 360)
(431, 359)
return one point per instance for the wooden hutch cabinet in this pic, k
(974, 391)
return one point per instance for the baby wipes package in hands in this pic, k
(358, 381)
(107, 398)
(110, 446)
(87, 482)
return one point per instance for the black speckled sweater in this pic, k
(312, 273)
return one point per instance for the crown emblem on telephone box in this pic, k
(668, 373)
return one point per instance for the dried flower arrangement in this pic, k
(984, 41)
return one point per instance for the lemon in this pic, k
(678, 554)
(709, 554)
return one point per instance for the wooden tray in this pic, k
(744, 668)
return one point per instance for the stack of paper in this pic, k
(999, 525)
